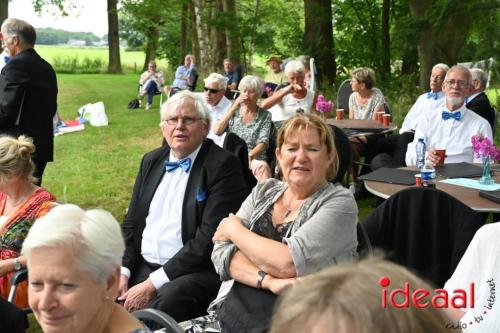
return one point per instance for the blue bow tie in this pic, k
(432, 94)
(184, 164)
(6, 59)
(447, 115)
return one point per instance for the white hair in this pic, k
(184, 97)
(217, 79)
(295, 67)
(459, 68)
(252, 82)
(93, 236)
(441, 66)
(480, 75)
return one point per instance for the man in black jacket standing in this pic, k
(28, 92)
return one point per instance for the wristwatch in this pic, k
(17, 264)
(262, 275)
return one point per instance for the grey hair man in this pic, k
(182, 191)
(477, 100)
(28, 92)
(216, 102)
(452, 126)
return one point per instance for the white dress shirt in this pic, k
(216, 113)
(452, 135)
(422, 105)
(162, 236)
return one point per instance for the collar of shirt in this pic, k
(471, 97)
(193, 155)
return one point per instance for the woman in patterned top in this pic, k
(366, 100)
(74, 259)
(251, 123)
(364, 103)
(21, 202)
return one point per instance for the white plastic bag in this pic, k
(94, 113)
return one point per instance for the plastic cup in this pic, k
(418, 180)
(442, 154)
(340, 114)
(386, 119)
(380, 116)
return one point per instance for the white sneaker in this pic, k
(148, 106)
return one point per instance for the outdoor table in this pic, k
(361, 127)
(469, 196)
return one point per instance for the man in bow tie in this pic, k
(181, 193)
(390, 151)
(28, 92)
(452, 125)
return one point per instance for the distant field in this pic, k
(132, 61)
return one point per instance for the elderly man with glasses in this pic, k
(477, 100)
(28, 92)
(452, 126)
(181, 193)
(216, 102)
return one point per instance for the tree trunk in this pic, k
(114, 63)
(385, 72)
(184, 28)
(439, 40)
(194, 35)
(233, 42)
(318, 37)
(4, 10)
(252, 33)
(202, 32)
(220, 39)
(151, 45)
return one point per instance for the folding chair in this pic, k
(345, 90)
(156, 319)
(424, 229)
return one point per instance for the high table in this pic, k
(467, 195)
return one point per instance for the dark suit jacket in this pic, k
(215, 188)
(28, 83)
(481, 105)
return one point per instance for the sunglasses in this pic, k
(210, 90)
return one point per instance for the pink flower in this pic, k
(483, 147)
(323, 105)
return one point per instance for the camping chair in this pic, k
(424, 229)
(16, 279)
(194, 80)
(158, 92)
(495, 122)
(345, 90)
(156, 319)
(344, 153)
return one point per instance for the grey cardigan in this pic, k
(323, 234)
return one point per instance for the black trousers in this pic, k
(185, 297)
(391, 151)
(39, 169)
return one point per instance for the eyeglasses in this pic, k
(212, 91)
(459, 83)
(185, 120)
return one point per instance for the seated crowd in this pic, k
(217, 254)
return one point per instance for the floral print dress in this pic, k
(14, 231)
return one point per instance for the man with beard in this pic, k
(452, 127)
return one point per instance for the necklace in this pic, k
(289, 209)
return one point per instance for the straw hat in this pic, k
(274, 58)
